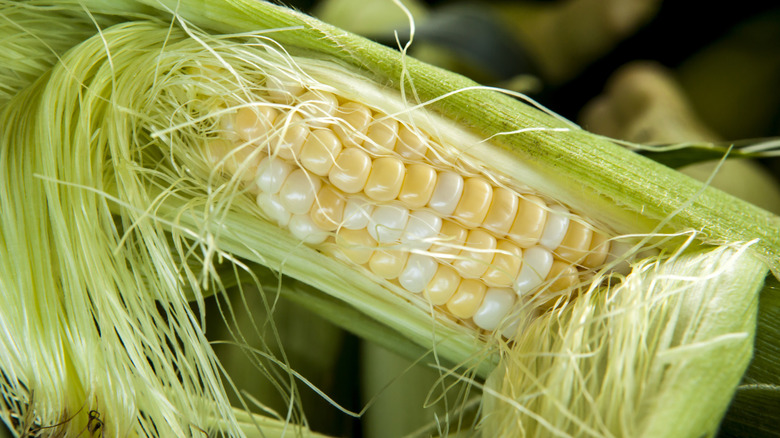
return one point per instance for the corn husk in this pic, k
(115, 221)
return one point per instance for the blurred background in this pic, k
(725, 60)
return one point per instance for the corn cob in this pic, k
(376, 191)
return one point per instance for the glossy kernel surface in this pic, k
(382, 135)
(505, 265)
(452, 237)
(418, 185)
(447, 193)
(474, 202)
(502, 211)
(474, 261)
(529, 222)
(356, 245)
(442, 286)
(411, 145)
(319, 152)
(328, 209)
(385, 179)
(379, 192)
(388, 264)
(576, 243)
(254, 123)
(467, 299)
(350, 172)
(354, 119)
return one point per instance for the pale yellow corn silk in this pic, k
(98, 336)
(117, 213)
(659, 355)
(33, 34)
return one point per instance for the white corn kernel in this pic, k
(357, 213)
(298, 191)
(418, 272)
(421, 230)
(537, 262)
(271, 174)
(387, 223)
(302, 227)
(495, 307)
(555, 228)
(446, 195)
(273, 208)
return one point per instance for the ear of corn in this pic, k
(121, 197)
(754, 409)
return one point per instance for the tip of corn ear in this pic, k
(660, 354)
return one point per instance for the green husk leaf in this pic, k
(676, 156)
(754, 412)
(659, 355)
(755, 409)
(765, 367)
